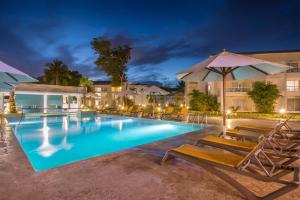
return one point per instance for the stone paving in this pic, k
(133, 174)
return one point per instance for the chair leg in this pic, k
(239, 187)
(166, 157)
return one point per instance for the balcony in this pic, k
(295, 69)
(238, 89)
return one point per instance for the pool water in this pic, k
(54, 141)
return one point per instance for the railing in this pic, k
(40, 111)
(238, 89)
(295, 69)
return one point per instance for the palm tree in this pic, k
(88, 84)
(56, 73)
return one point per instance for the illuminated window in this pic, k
(292, 86)
(293, 104)
(116, 89)
(98, 89)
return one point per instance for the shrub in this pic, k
(264, 96)
(203, 102)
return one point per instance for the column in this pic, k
(45, 103)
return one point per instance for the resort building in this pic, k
(31, 97)
(236, 91)
(105, 93)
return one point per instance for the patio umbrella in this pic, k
(154, 91)
(230, 66)
(10, 75)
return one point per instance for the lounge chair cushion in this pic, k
(240, 144)
(211, 155)
(259, 128)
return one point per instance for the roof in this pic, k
(32, 87)
(102, 82)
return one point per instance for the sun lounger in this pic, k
(278, 145)
(216, 161)
(168, 112)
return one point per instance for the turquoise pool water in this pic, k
(54, 141)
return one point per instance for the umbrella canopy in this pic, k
(230, 66)
(127, 92)
(155, 91)
(12, 75)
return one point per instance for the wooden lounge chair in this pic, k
(128, 111)
(276, 142)
(286, 130)
(182, 114)
(136, 111)
(216, 161)
(169, 111)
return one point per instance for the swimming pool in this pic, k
(58, 140)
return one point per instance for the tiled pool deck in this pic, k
(133, 174)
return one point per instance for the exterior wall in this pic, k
(107, 94)
(236, 91)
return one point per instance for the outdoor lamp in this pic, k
(228, 112)
(282, 111)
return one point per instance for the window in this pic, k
(98, 89)
(294, 67)
(116, 89)
(293, 104)
(238, 87)
(292, 86)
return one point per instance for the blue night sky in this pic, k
(165, 36)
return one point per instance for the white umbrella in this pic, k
(230, 66)
(155, 91)
(11, 75)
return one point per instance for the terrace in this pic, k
(130, 174)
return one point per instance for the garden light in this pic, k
(282, 111)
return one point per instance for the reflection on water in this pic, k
(54, 141)
(47, 149)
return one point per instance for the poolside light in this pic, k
(159, 109)
(228, 112)
(159, 104)
(181, 105)
(144, 105)
(106, 105)
(282, 111)
(167, 105)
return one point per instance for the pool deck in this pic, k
(132, 174)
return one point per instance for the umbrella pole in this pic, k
(224, 103)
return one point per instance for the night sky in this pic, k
(165, 36)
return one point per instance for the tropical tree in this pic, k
(58, 73)
(85, 82)
(112, 60)
(264, 96)
(55, 73)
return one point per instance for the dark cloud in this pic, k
(32, 33)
